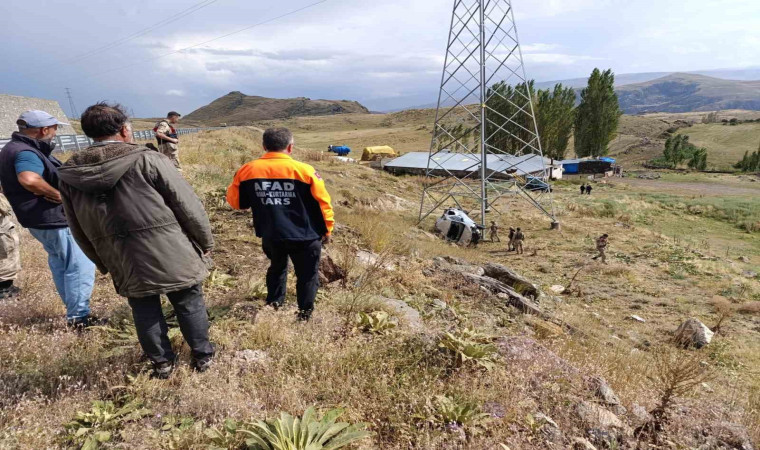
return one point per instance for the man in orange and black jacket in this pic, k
(292, 215)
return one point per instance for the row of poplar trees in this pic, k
(594, 120)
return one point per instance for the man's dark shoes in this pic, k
(304, 315)
(82, 323)
(203, 364)
(276, 305)
(9, 292)
(162, 370)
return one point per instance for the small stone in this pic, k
(544, 419)
(597, 416)
(557, 289)
(693, 333)
(743, 259)
(248, 356)
(604, 391)
(749, 274)
(580, 443)
(438, 303)
(707, 387)
(639, 416)
(637, 318)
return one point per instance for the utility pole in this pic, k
(72, 108)
(483, 49)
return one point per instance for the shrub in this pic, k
(91, 429)
(303, 433)
(377, 322)
(466, 345)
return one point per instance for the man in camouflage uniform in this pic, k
(166, 135)
(601, 247)
(10, 263)
(494, 234)
(518, 241)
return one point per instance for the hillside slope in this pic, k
(237, 108)
(681, 92)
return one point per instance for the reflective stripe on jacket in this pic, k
(287, 198)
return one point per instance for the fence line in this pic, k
(76, 142)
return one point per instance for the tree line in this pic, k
(593, 121)
(750, 162)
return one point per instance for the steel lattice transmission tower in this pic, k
(484, 116)
(75, 114)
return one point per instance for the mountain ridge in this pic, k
(236, 108)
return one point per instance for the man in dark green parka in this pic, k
(136, 218)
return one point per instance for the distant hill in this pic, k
(237, 108)
(682, 92)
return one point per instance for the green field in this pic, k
(726, 144)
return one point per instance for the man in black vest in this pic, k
(29, 176)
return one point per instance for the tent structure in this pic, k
(382, 151)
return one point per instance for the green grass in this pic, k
(725, 144)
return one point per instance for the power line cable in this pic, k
(290, 13)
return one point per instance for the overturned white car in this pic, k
(455, 226)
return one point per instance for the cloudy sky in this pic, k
(386, 54)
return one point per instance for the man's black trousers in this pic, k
(305, 256)
(152, 330)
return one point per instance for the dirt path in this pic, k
(691, 187)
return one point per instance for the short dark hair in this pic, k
(173, 113)
(103, 120)
(277, 139)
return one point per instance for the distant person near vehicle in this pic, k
(494, 232)
(166, 135)
(29, 176)
(139, 220)
(10, 262)
(519, 238)
(292, 215)
(601, 247)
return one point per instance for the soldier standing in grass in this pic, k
(494, 232)
(601, 247)
(518, 241)
(292, 215)
(166, 135)
(511, 245)
(10, 263)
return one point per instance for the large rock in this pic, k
(517, 282)
(450, 264)
(409, 316)
(596, 416)
(505, 292)
(693, 333)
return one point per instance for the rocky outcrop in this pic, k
(517, 282)
(450, 264)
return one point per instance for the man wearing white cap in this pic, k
(29, 177)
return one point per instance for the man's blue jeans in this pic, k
(73, 273)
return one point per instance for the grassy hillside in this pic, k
(671, 252)
(726, 144)
(237, 108)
